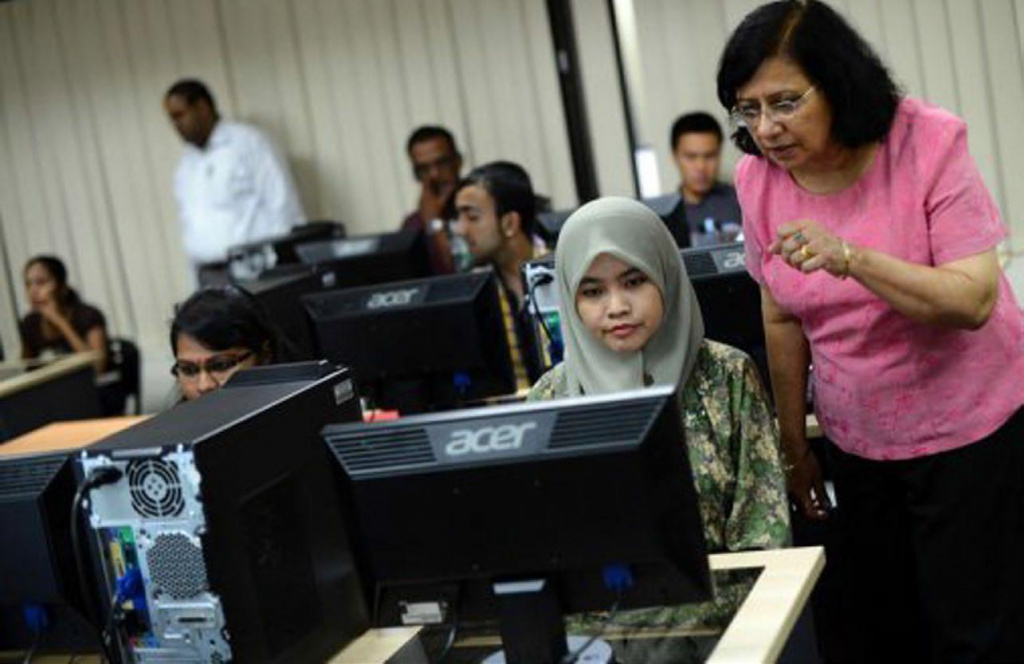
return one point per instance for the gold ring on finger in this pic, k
(805, 252)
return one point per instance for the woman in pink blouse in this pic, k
(873, 238)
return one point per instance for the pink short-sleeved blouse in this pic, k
(886, 387)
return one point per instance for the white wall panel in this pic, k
(964, 55)
(87, 156)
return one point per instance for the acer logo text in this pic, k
(488, 439)
(395, 298)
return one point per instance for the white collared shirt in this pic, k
(234, 190)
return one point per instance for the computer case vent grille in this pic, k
(176, 566)
(155, 488)
(27, 477)
(601, 425)
(382, 449)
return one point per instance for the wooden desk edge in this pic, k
(764, 621)
(376, 645)
(59, 367)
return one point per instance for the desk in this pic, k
(762, 625)
(68, 435)
(30, 397)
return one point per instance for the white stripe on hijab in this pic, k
(635, 235)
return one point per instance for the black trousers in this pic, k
(933, 550)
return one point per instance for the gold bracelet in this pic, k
(847, 254)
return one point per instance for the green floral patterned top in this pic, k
(733, 445)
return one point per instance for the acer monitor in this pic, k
(365, 260)
(41, 604)
(525, 512)
(279, 294)
(416, 346)
(251, 260)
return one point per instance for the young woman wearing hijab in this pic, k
(630, 319)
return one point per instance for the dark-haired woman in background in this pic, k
(60, 323)
(217, 332)
(873, 237)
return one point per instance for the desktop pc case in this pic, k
(224, 535)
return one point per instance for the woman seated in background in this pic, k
(59, 323)
(630, 319)
(217, 332)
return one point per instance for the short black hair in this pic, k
(226, 317)
(429, 133)
(509, 185)
(697, 122)
(841, 65)
(192, 90)
(59, 272)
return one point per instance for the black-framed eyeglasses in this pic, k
(217, 367)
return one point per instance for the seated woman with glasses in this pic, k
(217, 332)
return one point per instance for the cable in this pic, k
(450, 642)
(573, 656)
(97, 478)
(540, 279)
(35, 646)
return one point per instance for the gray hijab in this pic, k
(635, 235)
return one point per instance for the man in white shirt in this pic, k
(231, 185)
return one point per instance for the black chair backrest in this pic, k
(126, 361)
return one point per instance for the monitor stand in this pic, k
(533, 629)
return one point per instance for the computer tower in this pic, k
(223, 538)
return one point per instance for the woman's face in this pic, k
(40, 285)
(200, 370)
(619, 304)
(794, 142)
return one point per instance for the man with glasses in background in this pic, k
(436, 165)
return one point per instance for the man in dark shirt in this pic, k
(703, 211)
(436, 165)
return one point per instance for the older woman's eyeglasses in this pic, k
(748, 114)
(217, 367)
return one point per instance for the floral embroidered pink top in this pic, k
(886, 387)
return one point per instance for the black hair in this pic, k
(67, 297)
(510, 187)
(226, 317)
(841, 65)
(429, 133)
(698, 122)
(192, 90)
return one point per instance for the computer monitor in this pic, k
(279, 292)
(220, 537)
(250, 260)
(370, 259)
(591, 499)
(41, 605)
(429, 344)
(730, 300)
